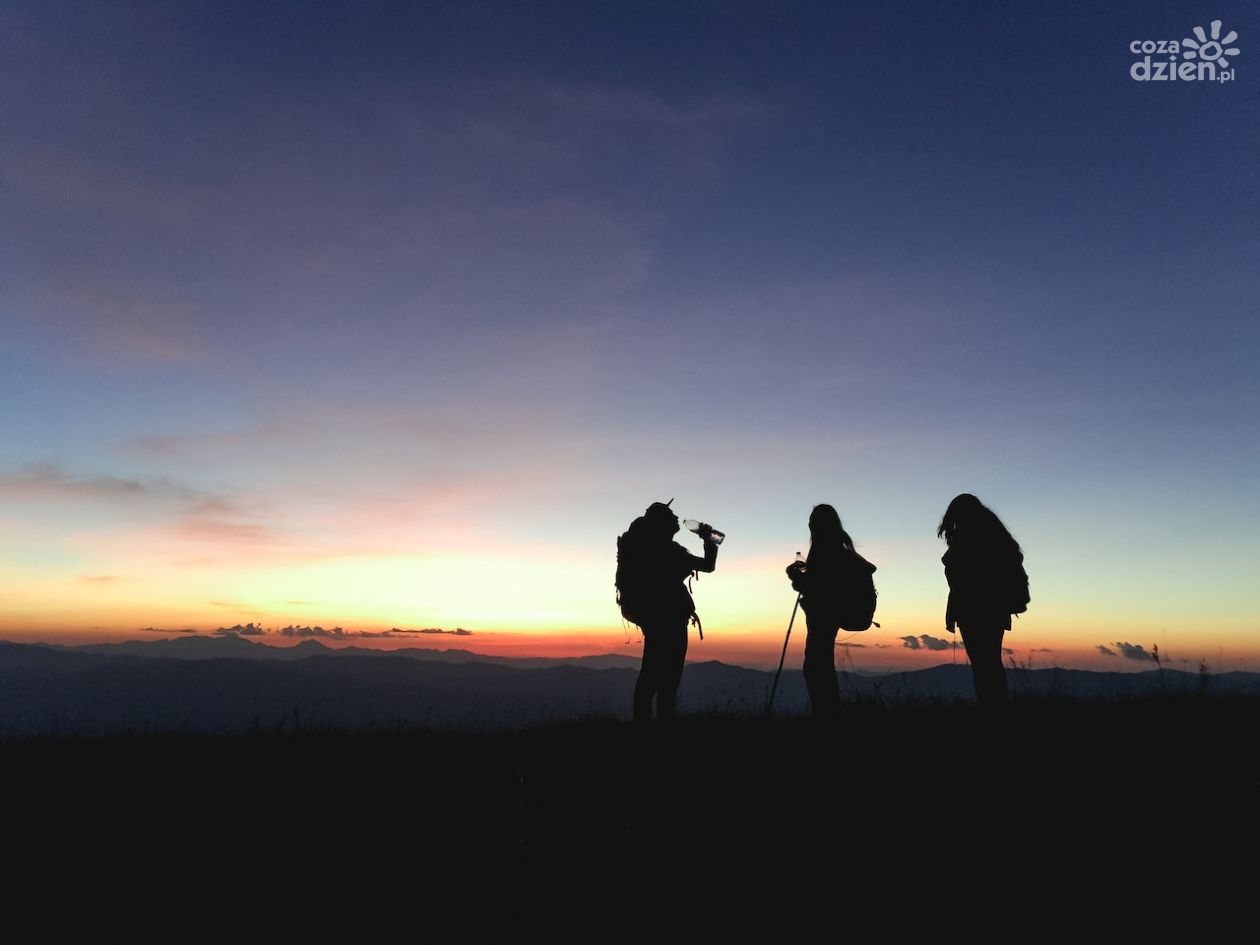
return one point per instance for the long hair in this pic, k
(970, 523)
(826, 534)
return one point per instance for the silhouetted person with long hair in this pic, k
(834, 582)
(987, 584)
(651, 571)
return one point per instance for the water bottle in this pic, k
(693, 525)
(796, 569)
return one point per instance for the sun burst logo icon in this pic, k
(1211, 50)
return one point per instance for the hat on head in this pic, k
(659, 508)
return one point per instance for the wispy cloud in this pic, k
(336, 633)
(220, 522)
(194, 525)
(510, 177)
(193, 517)
(241, 630)
(49, 481)
(181, 445)
(1106, 651)
(1134, 651)
(925, 641)
(458, 631)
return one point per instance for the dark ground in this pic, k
(1068, 791)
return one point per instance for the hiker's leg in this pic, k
(984, 649)
(820, 671)
(671, 671)
(645, 687)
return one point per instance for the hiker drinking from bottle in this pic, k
(984, 567)
(836, 592)
(651, 571)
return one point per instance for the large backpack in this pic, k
(648, 589)
(857, 603)
(632, 581)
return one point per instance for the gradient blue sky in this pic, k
(332, 310)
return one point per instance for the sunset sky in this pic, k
(395, 315)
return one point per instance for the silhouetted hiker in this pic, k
(651, 569)
(837, 592)
(987, 584)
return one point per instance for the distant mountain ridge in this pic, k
(234, 646)
(225, 685)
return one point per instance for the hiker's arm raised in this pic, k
(709, 562)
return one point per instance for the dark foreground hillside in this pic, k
(1072, 792)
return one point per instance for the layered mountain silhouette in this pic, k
(229, 646)
(230, 684)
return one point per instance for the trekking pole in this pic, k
(782, 657)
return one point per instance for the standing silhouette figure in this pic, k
(836, 592)
(651, 571)
(987, 584)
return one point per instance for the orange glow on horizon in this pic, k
(876, 650)
(551, 601)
